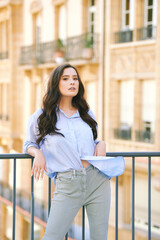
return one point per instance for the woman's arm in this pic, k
(100, 149)
(39, 163)
(31, 147)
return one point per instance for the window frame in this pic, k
(154, 13)
(91, 10)
(131, 15)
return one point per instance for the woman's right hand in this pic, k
(39, 163)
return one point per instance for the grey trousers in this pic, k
(87, 186)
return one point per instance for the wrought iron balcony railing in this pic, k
(84, 46)
(47, 52)
(125, 134)
(4, 117)
(3, 55)
(12, 194)
(144, 136)
(146, 33)
(124, 36)
(27, 55)
(80, 47)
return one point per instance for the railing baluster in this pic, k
(66, 237)
(83, 223)
(149, 198)
(116, 211)
(14, 199)
(49, 195)
(133, 195)
(113, 154)
(32, 205)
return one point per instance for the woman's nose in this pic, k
(72, 82)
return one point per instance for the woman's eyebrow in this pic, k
(69, 75)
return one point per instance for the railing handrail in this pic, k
(133, 155)
(108, 154)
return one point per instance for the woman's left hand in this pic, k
(100, 149)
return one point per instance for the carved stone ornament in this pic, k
(5, 3)
(146, 62)
(35, 7)
(4, 15)
(58, 2)
(123, 63)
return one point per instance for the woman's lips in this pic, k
(72, 88)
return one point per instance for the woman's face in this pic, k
(69, 83)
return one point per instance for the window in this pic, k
(150, 13)
(148, 106)
(91, 92)
(126, 110)
(38, 94)
(127, 14)
(150, 18)
(4, 101)
(37, 34)
(4, 40)
(91, 16)
(127, 22)
(38, 29)
(126, 103)
(61, 22)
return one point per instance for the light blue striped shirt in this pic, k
(62, 153)
(65, 153)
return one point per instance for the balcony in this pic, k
(144, 136)
(125, 134)
(84, 47)
(124, 36)
(27, 55)
(146, 33)
(3, 55)
(4, 117)
(140, 136)
(18, 199)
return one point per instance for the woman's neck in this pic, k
(66, 104)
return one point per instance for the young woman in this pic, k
(60, 136)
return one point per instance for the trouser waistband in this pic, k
(77, 172)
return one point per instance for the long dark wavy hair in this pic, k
(47, 120)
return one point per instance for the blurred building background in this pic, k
(115, 45)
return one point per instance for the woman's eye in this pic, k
(65, 78)
(75, 78)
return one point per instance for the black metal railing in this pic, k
(3, 55)
(47, 51)
(132, 155)
(80, 47)
(124, 36)
(23, 201)
(84, 46)
(144, 136)
(4, 117)
(27, 55)
(125, 134)
(146, 33)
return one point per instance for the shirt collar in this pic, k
(75, 115)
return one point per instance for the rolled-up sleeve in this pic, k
(31, 133)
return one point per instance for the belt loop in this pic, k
(74, 172)
(84, 171)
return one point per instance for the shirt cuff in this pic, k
(29, 144)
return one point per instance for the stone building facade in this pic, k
(115, 46)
